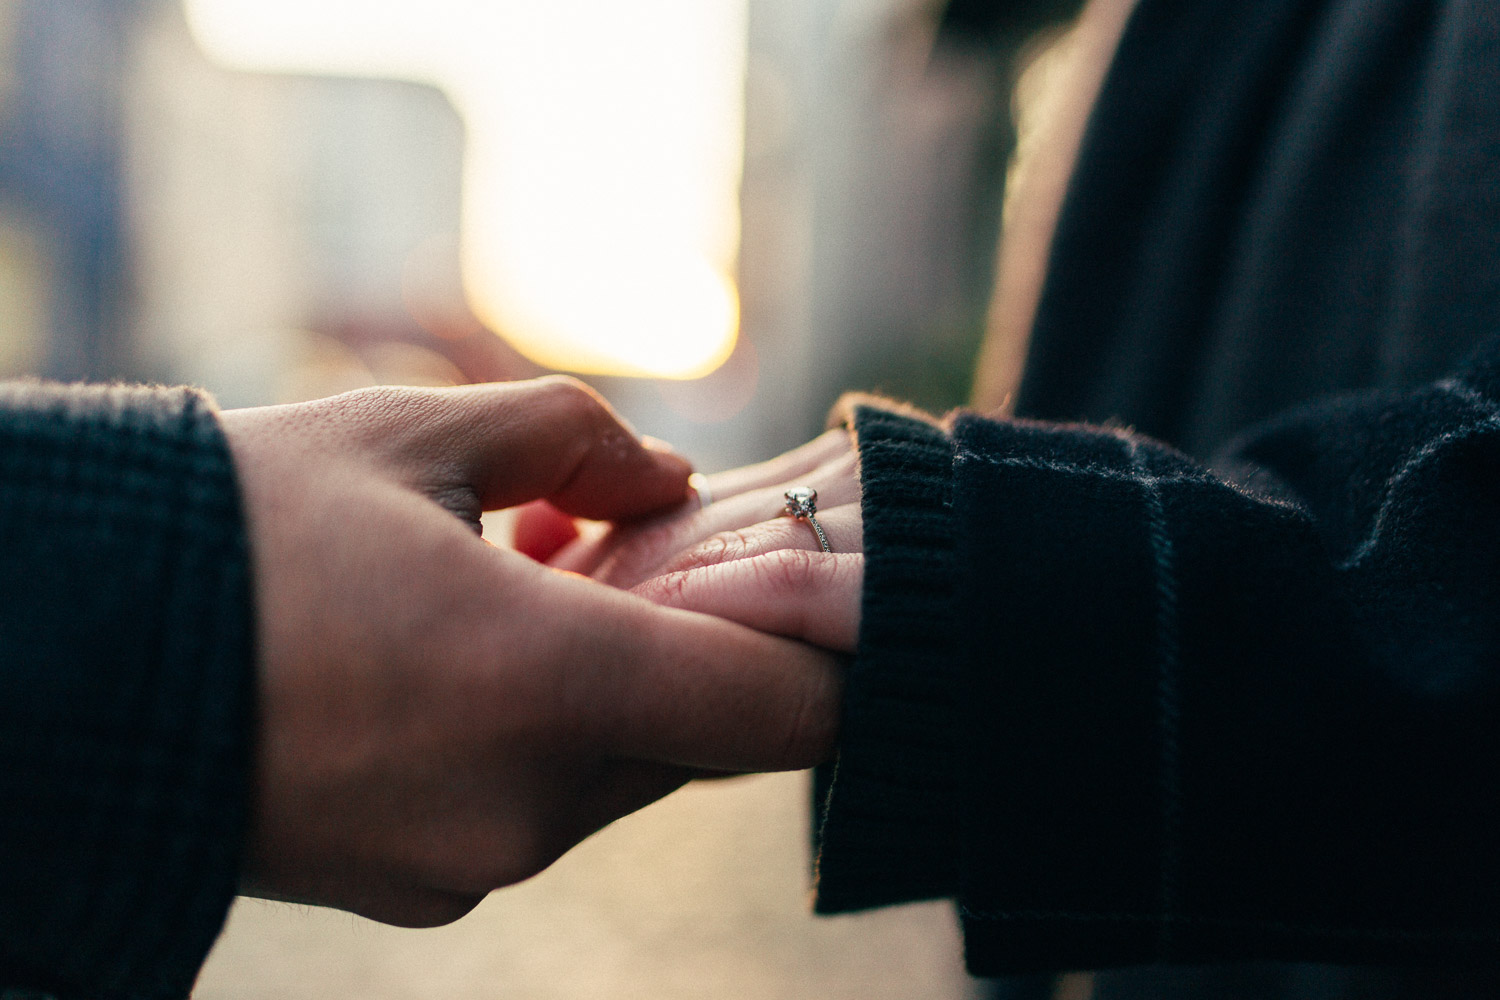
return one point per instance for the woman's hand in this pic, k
(738, 557)
(812, 596)
(624, 555)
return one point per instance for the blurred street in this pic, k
(704, 895)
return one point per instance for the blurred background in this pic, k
(722, 213)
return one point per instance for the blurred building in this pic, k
(292, 236)
(877, 138)
(62, 272)
(274, 236)
(267, 236)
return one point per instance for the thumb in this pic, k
(647, 683)
(551, 438)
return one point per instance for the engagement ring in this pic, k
(802, 503)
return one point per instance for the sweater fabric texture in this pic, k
(1200, 662)
(126, 689)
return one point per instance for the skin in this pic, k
(439, 717)
(738, 558)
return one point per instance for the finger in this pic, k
(803, 595)
(551, 438)
(836, 480)
(842, 526)
(541, 530)
(791, 465)
(657, 684)
(624, 555)
(637, 552)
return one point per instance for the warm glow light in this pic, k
(601, 215)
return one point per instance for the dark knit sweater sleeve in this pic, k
(894, 832)
(125, 689)
(1184, 713)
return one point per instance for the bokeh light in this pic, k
(601, 220)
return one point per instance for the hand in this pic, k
(751, 497)
(439, 717)
(738, 558)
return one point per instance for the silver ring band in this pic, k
(802, 505)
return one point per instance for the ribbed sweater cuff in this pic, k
(888, 830)
(126, 688)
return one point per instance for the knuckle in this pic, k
(568, 398)
(721, 547)
(642, 548)
(788, 571)
(584, 425)
(670, 589)
(563, 384)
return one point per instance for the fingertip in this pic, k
(675, 467)
(541, 530)
(555, 438)
(616, 483)
(672, 464)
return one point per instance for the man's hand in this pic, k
(439, 717)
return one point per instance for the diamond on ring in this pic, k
(801, 501)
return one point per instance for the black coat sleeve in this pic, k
(125, 689)
(1126, 708)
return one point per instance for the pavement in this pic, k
(703, 895)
